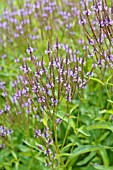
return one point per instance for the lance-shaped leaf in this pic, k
(100, 167)
(101, 125)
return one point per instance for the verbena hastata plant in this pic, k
(97, 22)
(4, 131)
(99, 17)
(49, 84)
(35, 21)
(38, 20)
(43, 104)
(58, 110)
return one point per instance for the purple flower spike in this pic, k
(1, 111)
(29, 50)
(58, 120)
(7, 108)
(4, 94)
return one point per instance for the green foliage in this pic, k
(85, 133)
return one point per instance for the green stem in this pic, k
(65, 135)
(56, 141)
(109, 97)
(74, 139)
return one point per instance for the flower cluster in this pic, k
(53, 80)
(36, 18)
(56, 76)
(34, 21)
(46, 146)
(4, 132)
(98, 17)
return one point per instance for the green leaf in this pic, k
(104, 136)
(17, 166)
(44, 120)
(72, 123)
(110, 101)
(23, 148)
(98, 80)
(7, 75)
(87, 159)
(7, 166)
(41, 159)
(104, 156)
(69, 120)
(101, 125)
(106, 111)
(83, 130)
(74, 108)
(67, 146)
(62, 116)
(100, 167)
(70, 168)
(87, 148)
(110, 84)
(108, 79)
(14, 154)
(30, 145)
(84, 149)
(102, 111)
